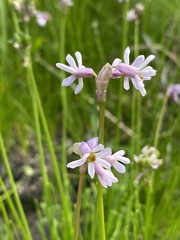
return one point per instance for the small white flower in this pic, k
(149, 158)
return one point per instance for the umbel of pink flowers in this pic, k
(137, 72)
(99, 160)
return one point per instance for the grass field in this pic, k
(40, 120)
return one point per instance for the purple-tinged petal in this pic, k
(104, 153)
(126, 55)
(69, 80)
(93, 142)
(116, 62)
(111, 176)
(91, 170)
(137, 82)
(138, 61)
(103, 163)
(119, 153)
(66, 68)
(147, 60)
(124, 160)
(76, 163)
(102, 181)
(79, 86)
(71, 61)
(126, 83)
(79, 58)
(98, 148)
(85, 148)
(119, 167)
(147, 72)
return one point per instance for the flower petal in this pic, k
(93, 142)
(103, 163)
(76, 163)
(85, 148)
(79, 86)
(104, 153)
(91, 170)
(69, 80)
(126, 55)
(119, 167)
(98, 148)
(138, 61)
(79, 58)
(71, 61)
(126, 83)
(76, 148)
(143, 92)
(119, 153)
(66, 68)
(147, 60)
(116, 62)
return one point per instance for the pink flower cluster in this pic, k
(99, 160)
(137, 72)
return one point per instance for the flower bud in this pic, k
(102, 81)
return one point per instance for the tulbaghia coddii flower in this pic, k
(79, 71)
(98, 160)
(137, 72)
(174, 91)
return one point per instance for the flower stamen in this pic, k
(91, 158)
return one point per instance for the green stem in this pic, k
(160, 120)
(99, 187)
(78, 205)
(64, 101)
(138, 97)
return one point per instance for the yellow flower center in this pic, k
(91, 158)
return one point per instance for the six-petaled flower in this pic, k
(79, 71)
(138, 71)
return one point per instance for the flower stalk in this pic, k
(82, 171)
(99, 187)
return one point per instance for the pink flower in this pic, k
(99, 160)
(92, 154)
(79, 71)
(174, 91)
(137, 72)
